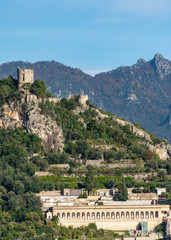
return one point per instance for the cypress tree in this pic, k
(122, 194)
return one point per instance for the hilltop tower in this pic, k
(24, 76)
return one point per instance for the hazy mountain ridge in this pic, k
(139, 93)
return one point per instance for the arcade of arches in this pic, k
(111, 217)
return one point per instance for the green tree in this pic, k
(90, 180)
(39, 88)
(4, 92)
(122, 194)
(168, 167)
(26, 86)
(111, 154)
(4, 217)
(110, 183)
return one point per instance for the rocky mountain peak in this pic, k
(161, 65)
(141, 62)
(158, 57)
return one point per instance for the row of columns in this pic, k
(109, 215)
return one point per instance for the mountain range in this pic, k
(138, 93)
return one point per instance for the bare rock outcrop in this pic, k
(162, 149)
(162, 66)
(138, 132)
(27, 114)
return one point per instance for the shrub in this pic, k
(147, 155)
(83, 195)
(38, 88)
(108, 155)
(92, 226)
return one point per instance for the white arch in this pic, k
(108, 215)
(137, 215)
(127, 214)
(142, 215)
(132, 215)
(146, 214)
(122, 214)
(117, 215)
(97, 215)
(93, 215)
(151, 214)
(112, 215)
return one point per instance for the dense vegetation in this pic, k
(8, 90)
(20, 207)
(80, 137)
(87, 137)
(20, 211)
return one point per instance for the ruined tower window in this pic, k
(78, 215)
(112, 215)
(88, 215)
(103, 215)
(68, 215)
(63, 215)
(73, 215)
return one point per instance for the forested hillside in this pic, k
(87, 134)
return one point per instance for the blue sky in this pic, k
(93, 35)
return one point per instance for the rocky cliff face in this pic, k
(26, 114)
(161, 65)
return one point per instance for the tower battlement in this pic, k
(24, 76)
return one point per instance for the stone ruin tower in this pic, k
(24, 76)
